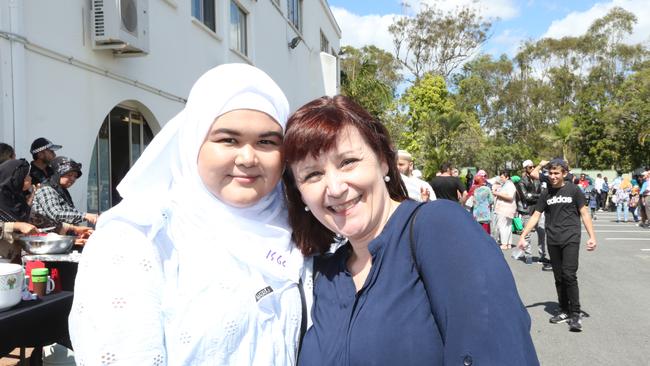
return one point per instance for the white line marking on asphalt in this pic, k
(632, 239)
(596, 224)
(618, 231)
(645, 250)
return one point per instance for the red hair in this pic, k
(314, 129)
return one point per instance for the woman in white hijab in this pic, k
(196, 265)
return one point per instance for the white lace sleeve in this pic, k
(116, 314)
(308, 283)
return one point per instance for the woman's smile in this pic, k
(344, 208)
(245, 179)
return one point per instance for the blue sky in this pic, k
(366, 21)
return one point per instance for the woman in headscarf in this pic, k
(14, 209)
(53, 201)
(196, 264)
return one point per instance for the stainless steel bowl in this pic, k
(47, 244)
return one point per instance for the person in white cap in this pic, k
(416, 188)
(598, 185)
(43, 152)
(530, 189)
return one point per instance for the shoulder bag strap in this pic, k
(303, 322)
(411, 243)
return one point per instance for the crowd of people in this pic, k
(626, 194)
(549, 200)
(35, 196)
(246, 235)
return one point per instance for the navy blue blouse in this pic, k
(464, 311)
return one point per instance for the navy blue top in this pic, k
(464, 311)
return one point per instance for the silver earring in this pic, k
(386, 179)
(306, 209)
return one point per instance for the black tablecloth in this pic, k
(36, 323)
(67, 273)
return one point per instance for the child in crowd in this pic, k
(592, 196)
(634, 202)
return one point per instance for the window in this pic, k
(204, 11)
(238, 28)
(294, 13)
(324, 43)
(120, 142)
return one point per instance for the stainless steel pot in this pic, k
(47, 244)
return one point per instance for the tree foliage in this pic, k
(370, 77)
(436, 130)
(629, 116)
(586, 97)
(562, 135)
(435, 41)
(553, 81)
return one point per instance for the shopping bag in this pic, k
(517, 225)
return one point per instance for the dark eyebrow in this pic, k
(271, 134)
(227, 131)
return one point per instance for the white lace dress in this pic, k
(143, 302)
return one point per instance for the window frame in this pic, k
(294, 13)
(324, 42)
(199, 13)
(241, 39)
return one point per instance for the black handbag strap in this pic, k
(303, 322)
(414, 257)
(411, 244)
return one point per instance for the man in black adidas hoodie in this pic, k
(563, 205)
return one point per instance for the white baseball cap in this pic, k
(528, 163)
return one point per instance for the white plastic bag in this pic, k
(517, 253)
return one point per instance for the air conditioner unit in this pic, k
(121, 26)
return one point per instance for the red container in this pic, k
(28, 271)
(54, 275)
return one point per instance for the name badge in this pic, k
(263, 292)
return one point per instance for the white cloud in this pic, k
(362, 30)
(359, 31)
(508, 42)
(577, 23)
(503, 9)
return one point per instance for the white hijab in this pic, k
(164, 187)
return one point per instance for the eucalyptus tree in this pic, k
(436, 41)
(585, 73)
(629, 113)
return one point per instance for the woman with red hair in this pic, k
(413, 283)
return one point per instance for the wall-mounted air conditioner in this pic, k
(121, 26)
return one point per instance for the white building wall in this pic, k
(53, 84)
